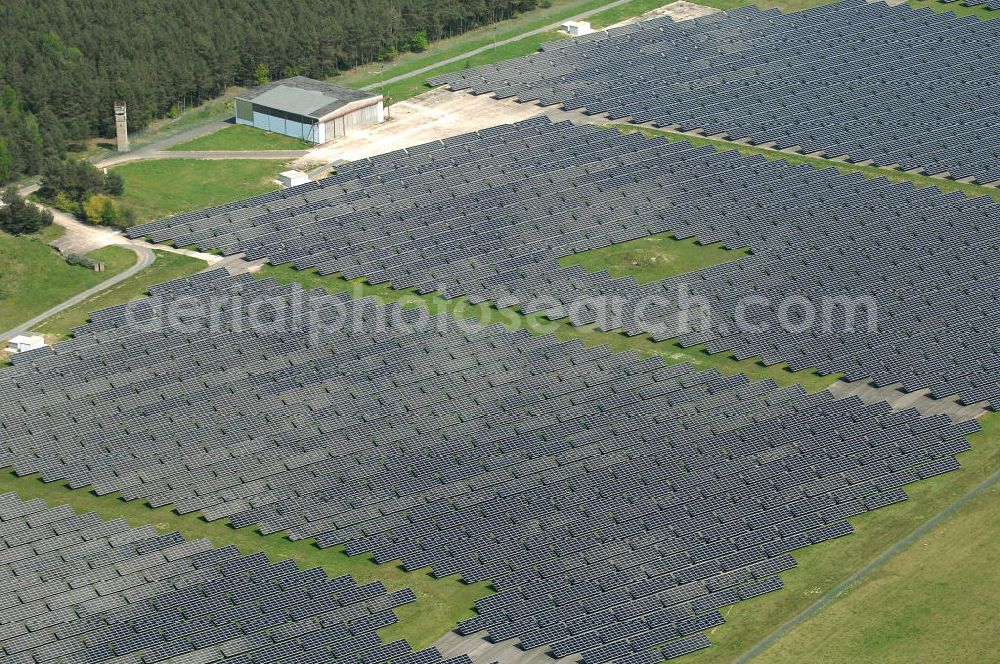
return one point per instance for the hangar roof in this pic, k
(305, 96)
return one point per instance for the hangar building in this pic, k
(309, 109)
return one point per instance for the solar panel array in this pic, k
(76, 588)
(487, 215)
(616, 503)
(897, 86)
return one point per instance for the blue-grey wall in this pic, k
(276, 121)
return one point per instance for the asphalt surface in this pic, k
(160, 149)
(151, 150)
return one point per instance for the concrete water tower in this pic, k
(121, 126)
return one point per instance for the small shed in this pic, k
(23, 342)
(305, 108)
(576, 28)
(292, 178)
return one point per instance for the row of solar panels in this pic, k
(616, 503)
(863, 81)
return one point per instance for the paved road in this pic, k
(865, 571)
(160, 149)
(147, 151)
(489, 47)
(145, 259)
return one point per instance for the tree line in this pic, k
(66, 62)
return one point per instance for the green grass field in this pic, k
(213, 110)
(653, 257)
(34, 278)
(162, 187)
(622, 12)
(935, 601)
(237, 138)
(168, 266)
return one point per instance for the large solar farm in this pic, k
(628, 479)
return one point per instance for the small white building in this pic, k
(576, 28)
(23, 342)
(292, 178)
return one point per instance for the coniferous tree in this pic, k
(19, 217)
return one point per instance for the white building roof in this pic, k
(28, 339)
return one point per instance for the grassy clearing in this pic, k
(34, 278)
(162, 187)
(933, 602)
(671, 352)
(653, 257)
(440, 602)
(240, 137)
(891, 175)
(168, 266)
(215, 110)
